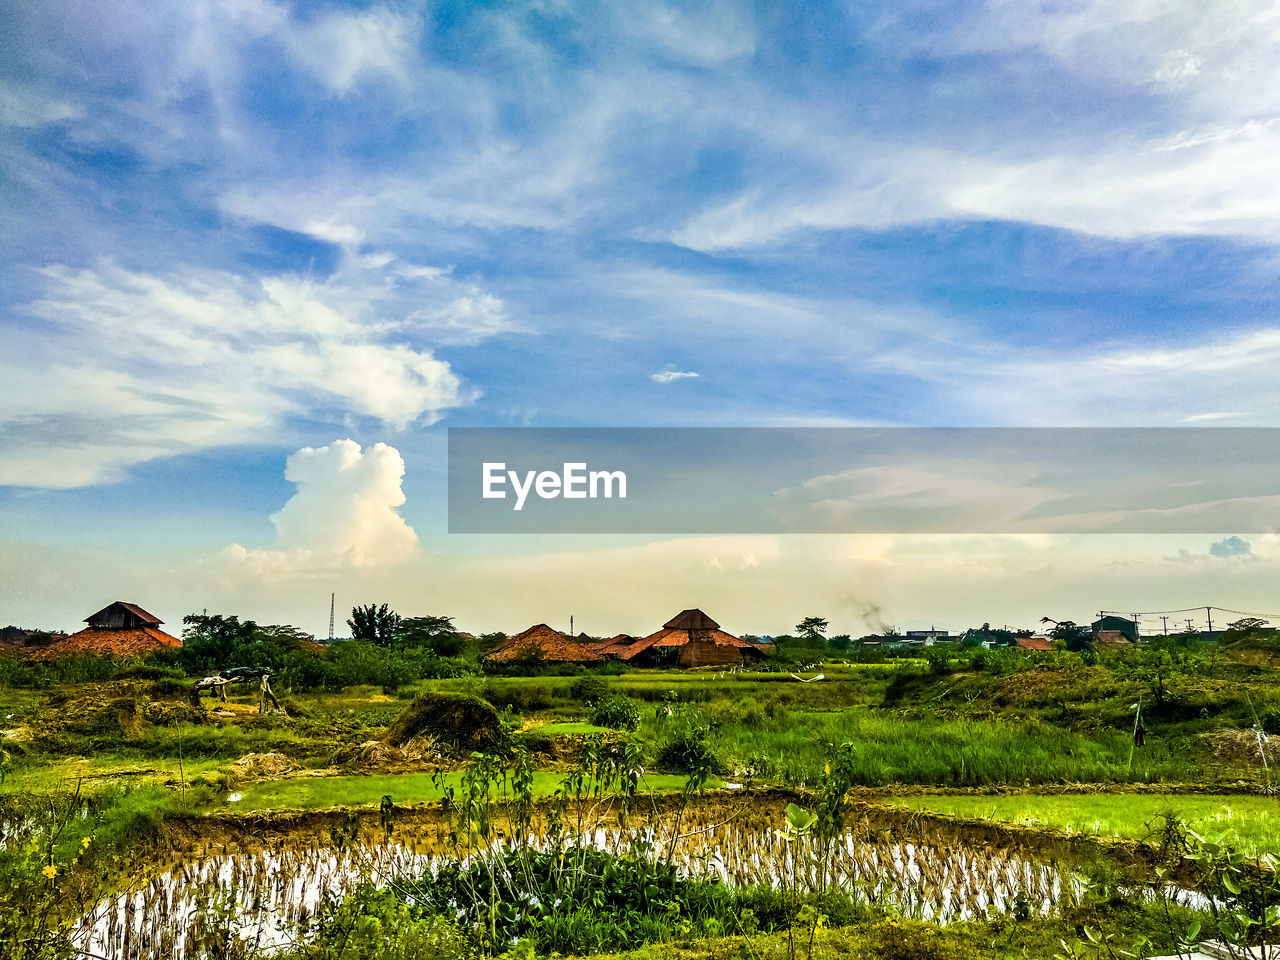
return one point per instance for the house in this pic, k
(928, 637)
(1037, 644)
(614, 646)
(1128, 629)
(1111, 638)
(119, 629)
(691, 639)
(546, 645)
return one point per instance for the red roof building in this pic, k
(691, 639)
(119, 629)
(1039, 644)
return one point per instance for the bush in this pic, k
(589, 689)
(616, 711)
(687, 750)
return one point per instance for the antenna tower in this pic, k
(331, 599)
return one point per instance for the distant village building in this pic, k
(119, 629)
(1037, 644)
(614, 646)
(928, 637)
(692, 639)
(1112, 625)
(544, 644)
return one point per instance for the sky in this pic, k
(259, 256)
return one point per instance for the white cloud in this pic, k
(133, 366)
(343, 48)
(344, 514)
(671, 374)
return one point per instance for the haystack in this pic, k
(453, 720)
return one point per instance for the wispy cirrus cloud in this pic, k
(671, 375)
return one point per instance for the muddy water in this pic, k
(270, 880)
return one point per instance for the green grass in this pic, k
(794, 748)
(1249, 823)
(571, 728)
(311, 793)
(92, 775)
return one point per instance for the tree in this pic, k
(840, 642)
(812, 628)
(1072, 636)
(374, 624)
(436, 634)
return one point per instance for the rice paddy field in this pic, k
(161, 817)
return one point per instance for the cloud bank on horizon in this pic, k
(236, 226)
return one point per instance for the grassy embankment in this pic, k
(1248, 823)
(313, 793)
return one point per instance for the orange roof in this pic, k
(615, 645)
(120, 643)
(670, 636)
(1033, 643)
(544, 643)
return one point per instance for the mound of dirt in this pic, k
(262, 766)
(453, 720)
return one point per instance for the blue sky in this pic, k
(234, 229)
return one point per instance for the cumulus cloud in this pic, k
(1231, 547)
(343, 515)
(129, 366)
(671, 375)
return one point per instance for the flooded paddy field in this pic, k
(272, 873)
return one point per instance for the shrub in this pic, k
(687, 750)
(589, 689)
(617, 711)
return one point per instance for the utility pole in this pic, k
(1188, 624)
(332, 596)
(1208, 612)
(1165, 620)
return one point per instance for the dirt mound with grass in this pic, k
(1242, 748)
(454, 721)
(262, 766)
(121, 709)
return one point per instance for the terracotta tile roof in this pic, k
(670, 636)
(1033, 643)
(120, 643)
(544, 643)
(615, 645)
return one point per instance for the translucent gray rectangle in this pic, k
(865, 480)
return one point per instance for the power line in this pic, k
(1206, 608)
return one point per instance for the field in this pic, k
(111, 766)
(1251, 824)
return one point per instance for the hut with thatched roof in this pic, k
(691, 639)
(544, 644)
(119, 629)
